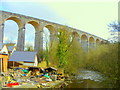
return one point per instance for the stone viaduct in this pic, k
(87, 40)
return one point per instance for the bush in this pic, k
(105, 60)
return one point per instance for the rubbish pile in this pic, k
(31, 77)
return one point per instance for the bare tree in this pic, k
(114, 29)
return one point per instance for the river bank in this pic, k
(90, 79)
(85, 79)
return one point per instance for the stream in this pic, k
(89, 79)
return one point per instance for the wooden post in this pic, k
(1, 63)
(13, 64)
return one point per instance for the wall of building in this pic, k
(4, 61)
(4, 49)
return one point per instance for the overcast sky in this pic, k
(91, 16)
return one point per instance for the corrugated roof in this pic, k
(1, 45)
(10, 48)
(23, 56)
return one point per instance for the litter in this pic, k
(48, 79)
(24, 74)
(31, 77)
(25, 70)
(40, 75)
(46, 76)
(12, 84)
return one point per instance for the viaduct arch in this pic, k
(87, 40)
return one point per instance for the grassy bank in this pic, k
(105, 59)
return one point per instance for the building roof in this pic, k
(10, 48)
(23, 56)
(1, 45)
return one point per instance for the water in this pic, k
(91, 75)
(89, 79)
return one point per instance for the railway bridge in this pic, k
(86, 40)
